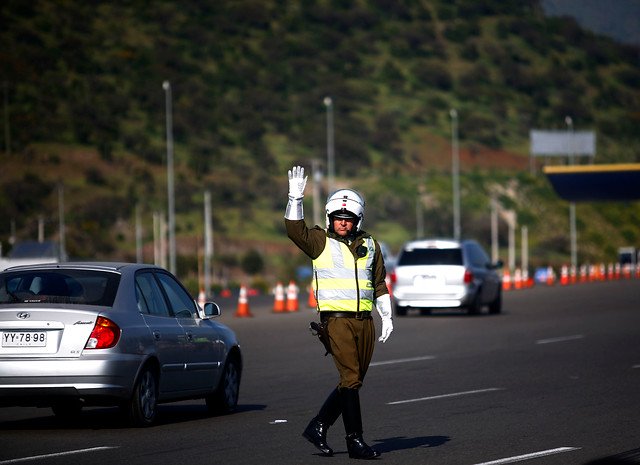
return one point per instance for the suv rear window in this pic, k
(80, 287)
(431, 257)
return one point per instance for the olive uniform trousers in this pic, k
(352, 342)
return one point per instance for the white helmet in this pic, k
(345, 203)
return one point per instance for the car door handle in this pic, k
(190, 337)
(156, 335)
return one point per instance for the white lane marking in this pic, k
(442, 396)
(402, 360)
(58, 454)
(520, 458)
(560, 339)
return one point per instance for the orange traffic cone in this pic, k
(201, 298)
(312, 302)
(564, 275)
(610, 272)
(584, 275)
(551, 276)
(292, 297)
(278, 303)
(506, 280)
(243, 303)
(517, 279)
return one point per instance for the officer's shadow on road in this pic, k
(402, 442)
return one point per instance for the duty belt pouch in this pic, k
(320, 330)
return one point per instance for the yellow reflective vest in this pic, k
(342, 282)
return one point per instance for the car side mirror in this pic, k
(212, 310)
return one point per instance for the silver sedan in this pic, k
(76, 334)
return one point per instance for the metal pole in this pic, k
(208, 243)
(419, 216)
(170, 183)
(525, 249)
(572, 206)
(317, 179)
(139, 257)
(40, 229)
(328, 103)
(63, 248)
(573, 232)
(163, 241)
(494, 230)
(156, 238)
(512, 246)
(455, 173)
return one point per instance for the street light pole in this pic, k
(208, 243)
(494, 230)
(170, 183)
(328, 103)
(61, 224)
(139, 257)
(572, 206)
(317, 178)
(455, 173)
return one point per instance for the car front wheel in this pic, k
(225, 398)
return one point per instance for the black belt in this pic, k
(356, 315)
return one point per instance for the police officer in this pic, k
(348, 281)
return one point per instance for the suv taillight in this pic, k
(468, 276)
(105, 334)
(393, 277)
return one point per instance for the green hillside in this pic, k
(84, 107)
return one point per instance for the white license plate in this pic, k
(429, 280)
(24, 339)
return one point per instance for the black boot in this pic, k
(358, 449)
(316, 430)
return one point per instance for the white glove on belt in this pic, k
(297, 183)
(383, 305)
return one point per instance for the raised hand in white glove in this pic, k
(383, 305)
(297, 182)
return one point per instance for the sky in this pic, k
(619, 19)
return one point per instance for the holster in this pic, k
(320, 330)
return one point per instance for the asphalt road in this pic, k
(555, 379)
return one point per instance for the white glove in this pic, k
(383, 305)
(297, 182)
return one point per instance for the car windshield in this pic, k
(431, 257)
(66, 286)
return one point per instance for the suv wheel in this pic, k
(495, 307)
(475, 306)
(400, 311)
